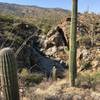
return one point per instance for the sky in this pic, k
(83, 5)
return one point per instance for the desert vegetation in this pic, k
(49, 54)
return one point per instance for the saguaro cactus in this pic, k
(72, 54)
(8, 74)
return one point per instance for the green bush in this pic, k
(8, 18)
(90, 78)
(30, 78)
(34, 78)
(86, 65)
(84, 40)
(24, 72)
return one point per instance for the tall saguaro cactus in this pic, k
(8, 73)
(72, 54)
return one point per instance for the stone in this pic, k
(88, 98)
(51, 51)
(95, 63)
(67, 97)
(77, 97)
(97, 98)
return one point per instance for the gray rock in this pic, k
(88, 98)
(77, 97)
(67, 97)
(97, 98)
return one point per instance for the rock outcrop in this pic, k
(47, 49)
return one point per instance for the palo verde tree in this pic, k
(72, 52)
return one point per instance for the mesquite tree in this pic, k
(72, 53)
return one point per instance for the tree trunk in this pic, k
(72, 54)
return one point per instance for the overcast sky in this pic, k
(83, 5)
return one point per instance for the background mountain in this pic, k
(50, 16)
(35, 11)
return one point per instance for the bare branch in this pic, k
(23, 44)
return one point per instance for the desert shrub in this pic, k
(45, 25)
(8, 35)
(7, 27)
(85, 40)
(88, 80)
(9, 18)
(34, 78)
(24, 72)
(86, 65)
(6, 18)
(18, 39)
(13, 38)
(97, 37)
(30, 78)
(97, 76)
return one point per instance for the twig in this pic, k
(23, 44)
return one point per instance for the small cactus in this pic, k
(54, 73)
(8, 73)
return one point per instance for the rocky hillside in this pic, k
(50, 47)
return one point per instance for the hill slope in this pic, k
(52, 45)
(33, 13)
